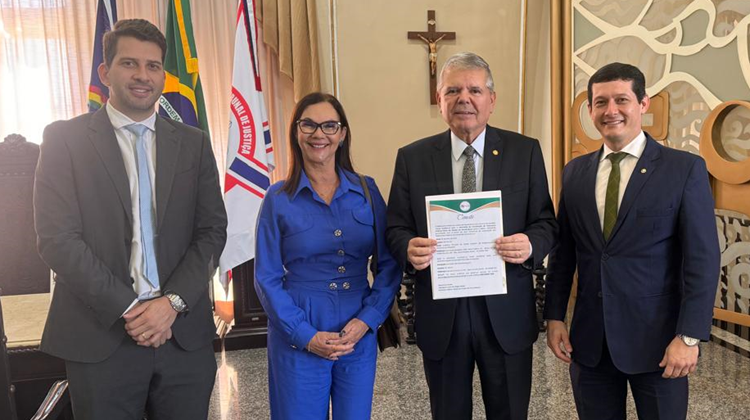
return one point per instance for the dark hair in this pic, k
(296, 164)
(620, 71)
(139, 29)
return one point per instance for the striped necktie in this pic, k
(145, 205)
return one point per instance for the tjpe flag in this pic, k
(249, 149)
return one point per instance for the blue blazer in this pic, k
(656, 276)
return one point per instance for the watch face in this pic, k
(689, 341)
(176, 303)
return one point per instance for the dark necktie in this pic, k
(613, 194)
(469, 175)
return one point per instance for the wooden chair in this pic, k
(21, 269)
(56, 405)
(7, 401)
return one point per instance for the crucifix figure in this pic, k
(431, 38)
(433, 52)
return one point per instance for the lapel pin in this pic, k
(495, 152)
(643, 171)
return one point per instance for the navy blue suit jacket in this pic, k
(656, 276)
(514, 165)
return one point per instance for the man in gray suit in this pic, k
(129, 216)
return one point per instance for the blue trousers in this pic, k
(600, 392)
(302, 384)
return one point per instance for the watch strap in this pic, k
(176, 301)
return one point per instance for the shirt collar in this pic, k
(634, 148)
(458, 145)
(348, 181)
(120, 120)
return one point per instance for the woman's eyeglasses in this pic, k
(327, 127)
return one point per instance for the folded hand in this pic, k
(150, 322)
(321, 345)
(351, 333)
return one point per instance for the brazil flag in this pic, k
(182, 99)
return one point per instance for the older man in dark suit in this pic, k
(637, 223)
(129, 216)
(495, 333)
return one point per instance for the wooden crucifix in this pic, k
(431, 38)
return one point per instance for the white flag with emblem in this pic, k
(249, 149)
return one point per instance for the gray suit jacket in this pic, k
(83, 218)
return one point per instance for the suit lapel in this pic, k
(102, 136)
(590, 210)
(167, 152)
(641, 173)
(442, 165)
(494, 169)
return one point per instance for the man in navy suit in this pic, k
(637, 222)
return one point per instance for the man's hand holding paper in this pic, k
(514, 249)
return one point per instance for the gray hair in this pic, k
(466, 61)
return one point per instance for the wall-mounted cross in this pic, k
(431, 38)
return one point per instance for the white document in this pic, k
(466, 262)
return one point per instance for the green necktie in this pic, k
(613, 193)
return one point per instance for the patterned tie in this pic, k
(145, 205)
(613, 194)
(469, 175)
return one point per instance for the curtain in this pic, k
(278, 90)
(290, 29)
(214, 25)
(45, 63)
(289, 44)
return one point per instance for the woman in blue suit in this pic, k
(316, 231)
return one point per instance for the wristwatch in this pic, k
(689, 341)
(176, 301)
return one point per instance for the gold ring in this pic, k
(143, 335)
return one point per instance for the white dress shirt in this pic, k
(634, 151)
(457, 149)
(126, 140)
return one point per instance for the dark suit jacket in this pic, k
(656, 276)
(82, 212)
(424, 168)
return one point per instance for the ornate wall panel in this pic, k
(734, 283)
(697, 51)
(695, 56)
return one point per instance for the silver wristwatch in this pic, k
(176, 301)
(689, 341)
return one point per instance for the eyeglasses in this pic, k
(327, 127)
